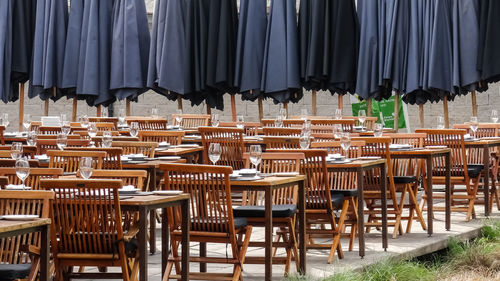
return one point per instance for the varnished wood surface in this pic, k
(152, 199)
(10, 226)
(268, 181)
(356, 164)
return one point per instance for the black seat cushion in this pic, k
(337, 200)
(404, 179)
(279, 211)
(9, 272)
(238, 222)
(474, 170)
(345, 192)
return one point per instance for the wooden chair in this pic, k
(284, 205)
(112, 161)
(281, 142)
(462, 173)
(53, 137)
(287, 123)
(33, 179)
(231, 142)
(43, 145)
(129, 147)
(46, 130)
(137, 178)
(369, 121)
(113, 120)
(333, 147)
(191, 121)
(69, 161)
(2, 139)
(172, 137)
(105, 126)
(35, 125)
(483, 129)
(85, 134)
(347, 124)
(251, 128)
(4, 181)
(270, 131)
(28, 151)
(5, 154)
(93, 235)
(211, 219)
(98, 140)
(9, 163)
(20, 255)
(149, 124)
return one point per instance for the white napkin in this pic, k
(16, 187)
(164, 143)
(42, 157)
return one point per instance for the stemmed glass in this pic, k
(440, 122)
(121, 117)
(494, 116)
(104, 113)
(154, 113)
(22, 170)
(84, 120)
(66, 127)
(282, 112)
(178, 118)
(378, 130)
(107, 139)
(27, 121)
(337, 131)
(62, 141)
(86, 167)
(240, 122)
(278, 123)
(304, 141)
(134, 129)
(474, 124)
(306, 128)
(31, 138)
(338, 114)
(16, 150)
(345, 143)
(62, 118)
(214, 152)
(215, 120)
(303, 114)
(255, 155)
(362, 118)
(5, 120)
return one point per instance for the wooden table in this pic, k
(15, 228)
(485, 144)
(359, 167)
(192, 155)
(427, 155)
(144, 205)
(268, 184)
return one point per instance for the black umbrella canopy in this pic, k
(89, 51)
(5, 49)
(48, 49)
(250, 48)
(488, 55)
(130, 49)
(281, 67)
(169, 73)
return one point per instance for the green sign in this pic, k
(384, 110)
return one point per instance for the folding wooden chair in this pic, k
(191, 121)
(130, 147)
(281, 142)
(231, 142)
(112, 161)
(69, 161)
(270, 131)
(149, 124)
(172, 137)
(44, 145)
(33, 179)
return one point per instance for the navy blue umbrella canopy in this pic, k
(48, 49)
(169, 73)
(89, 51)
(5, 49)
(281, 67)
(250, 47)
(130, 49)
(488, 55)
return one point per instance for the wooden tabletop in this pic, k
(269, 181)
(151, 164)
(178, 151)
(152, 199)
(487, 141)
(356, 164)
(9, 226)
(424, 151)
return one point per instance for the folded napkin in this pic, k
(16, 187)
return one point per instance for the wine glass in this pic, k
(66, 127)
(16, 150)
(62, 118)
(107, 139)
(278, 122)
(104, 113)
(215, 120)
(378, 130)
(474, 124)
(282, 112)
(27, 121)
(337, 131)
(494, 116)
(154, 113)
(92, 130)
(303, 113)
(31, 138)
(121, 117)
(22, 170)
(440, 122)
(304, 141)
(5, 120)
(84, 120)
(362, 118)
(255, 155)
(62, 141)
(178, 118)
(86, 167)
(134, 129)
(240, 122)
(214, 152)
(345, 143)
(306, 128)
(338, 114)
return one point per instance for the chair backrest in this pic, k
(53, 137)
(251, 128)
(69, 161)
(98, 140)
(172, 137)
(34, 177)
(85, 134)
(369, 121)
(192, 121)
(347, 124)
(483, 129)
(105, 126)
(5, 154)
(42, 146)
(9, 163)
(2, 139)
(46, 130)
(131, 147)
(113, 159)
(334, 147)
(377, 146)
(281, 142)
(113, 120)
(86, 216)
(35, 125)
(22, 203)
(136, 178)
(210, 192)
(287, 123)
(407, 166)
(28, 150)
(231, 142)
(149, 123)
(4, 181)
(271, 131)
(415, 139)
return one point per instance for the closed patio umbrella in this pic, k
(281, 67)
(488, 55)
(5, 50)
(129, 49)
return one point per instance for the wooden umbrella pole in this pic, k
(179, 102)
(261, 109)
(396, 111)
(474, 103)
(341, 102)
(421, 114)
(21, 106)
(285, 106)
(314, 104)
(209, 110)
(127, 107)
(99, 111)
(75, 107)
(369, 107)
(233, 107)
(446, 115)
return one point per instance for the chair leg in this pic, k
(352, 236)
(293, 243)
(472, 192)
(338, 227)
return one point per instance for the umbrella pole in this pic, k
(179, 102)
(75, 106)
(421, 114)
(474, 103)
(369, 107)
(341, 102)
(21, 106)
(396, 111)
(99, 111)
(261, 109)
(233, 107)
(285, 106)
(446, 115)
(314, 105)
(127, 106)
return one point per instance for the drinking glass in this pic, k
(362, 118)
(494, 116)
(107, 139)
(134, 129)
(255, 155)
(304, 141)
(345, 143)
(240, 122)
(474, 124)
(338, 114)
(178, 118)
(214, 152)
(84, 120)
(121, 117)
(86, 167)
(337, 131)
(154, 113)
(5, 120)
(278, 122)
(303, 113)
(104, 112)
(62, 141)
(31, 138)
(215, 120)
(92, 130)
(16, 150)
(27, 121)
(378, 130)
(306, 128)
(62, 118)
(22, 170)
(66, 127)
(440, 122)
(282, 112)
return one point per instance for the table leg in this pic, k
(361, 217)
(164, 241)
(302, 227)
(430, 204)
(448, 192)
(44, 254)
(203, 253)
(185, 239)
(143, 249)
(152, 231)
(384, 205)
(486, 158)
(269, 235)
